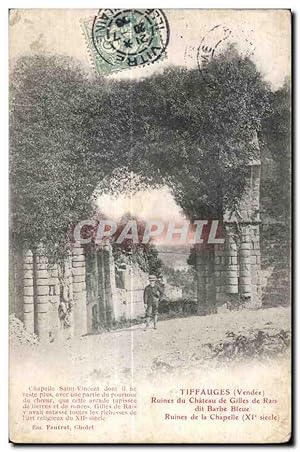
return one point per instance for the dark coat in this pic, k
(152, 295)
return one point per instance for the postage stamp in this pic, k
(123, 39)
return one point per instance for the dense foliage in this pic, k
(69, 133)
(275, 137)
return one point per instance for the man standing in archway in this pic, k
(152, 296)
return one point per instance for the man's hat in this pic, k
(152, 278)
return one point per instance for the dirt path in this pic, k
(177, 343)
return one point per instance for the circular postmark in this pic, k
(129, 38)
(215, 42)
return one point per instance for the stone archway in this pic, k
(226, 275)
(230, 275)
(150, 143)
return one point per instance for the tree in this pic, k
(276, 139)
(51, 172)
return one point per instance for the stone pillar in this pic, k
(28, 298)
(92, 289)
(220, 271)
(79, 290)
(68, 295)
(42, 297)
(245, 264)
(109, 282)
(246, 220)
(231, 263)
(101, 293)
(54, 296)
(210, 280)
(255, 237)
(255, 266)
(201, 274)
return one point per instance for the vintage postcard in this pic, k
(150, 226)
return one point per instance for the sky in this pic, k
(263, 34)
(151, 205)
(60, 31)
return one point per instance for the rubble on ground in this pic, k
(18, 333)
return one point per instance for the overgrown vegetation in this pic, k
(68, 133)
(254, 344)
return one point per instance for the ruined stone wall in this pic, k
(108, 302)
(101, 288)
(275, 234)
(276, 266)
(77, 264)
(43, 286)
(229, 274)
(129, 301)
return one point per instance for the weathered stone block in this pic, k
(54, 299)
(78, 258)
(246, 289)
(28, 282)
(245, 280)
(244, 273)
(78, 287)
(41, 260)
(43, 274)
(28, 308)
(246, 246)
(42, 266)
(42, 308)
(53, 273)
(28, 259)
(76, 244)
(28, 318)
(245, 267)
(42, 281)
(231, 274)
(232, 289)
(79, 295)
(232, 280)
(42, 299)
(42, 326)
(77, 252)
(76, 264)
(28, 299)
(42, 290)
(78, 271)
(246, 259)
(245, 253)
(28, 291)
(78, 278)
